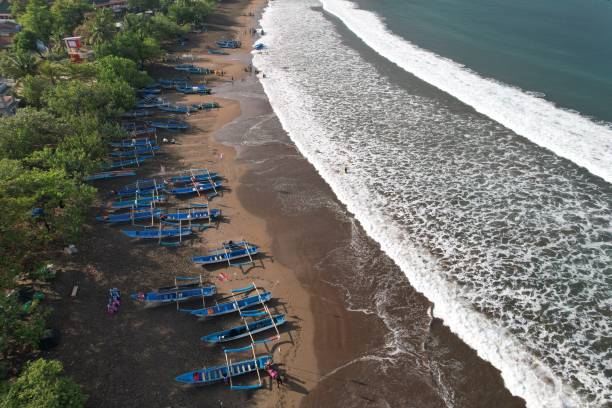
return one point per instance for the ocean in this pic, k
(473, 143)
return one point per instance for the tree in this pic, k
(32, 90)
(191, 11)
(16, 64)
(163, 28)
(143, 5)
(25, 41)
(68, 14)
(41, 385)
(105, 100)
(28, 130)
(38, 19)
(132, 45)
(98, 28)
(111, 68)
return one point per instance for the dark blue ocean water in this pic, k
(561, 48)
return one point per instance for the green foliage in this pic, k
(64, 201)
(28, 130)
(37, 19)
(106, 100)
(68, 14)
(41, 385)
(191, 11)
(98, 28)
(16, 64)
(32, 89)
(19, 328)
(18, 7)
(164, 28)
(24, 40)
(132, 45)
(112, 68)
(143, 5)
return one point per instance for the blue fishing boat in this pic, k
(193, 214)
(127, 163)
(126, 144)
(157, 233)
(178, 293)
(171, 83)
(231, 307)
(245, 330)
(168, 124)
(229, 44)
(193, 89)
(211, 375)
(194, 189)
(131, 216)
(141, 187)
(217, 52)
(138, 113)
(110, 174)
(138, 202)
(135, 152)
(194, 176)
(174, 108)
(259, 46)
(228, 253)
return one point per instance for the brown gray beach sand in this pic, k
(313, 263)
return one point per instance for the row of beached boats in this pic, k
(256, 318)
(143, 206)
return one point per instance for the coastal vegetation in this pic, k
(60, 134)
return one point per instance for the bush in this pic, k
(41, 385)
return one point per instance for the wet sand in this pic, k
(322, 269)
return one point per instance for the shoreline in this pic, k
(277, 200)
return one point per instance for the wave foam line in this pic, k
(567, 134)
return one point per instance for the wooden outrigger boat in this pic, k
(171, 83)
(193, 89)
(180, 292)
(133, 143)
(192, 69)
(136, 214)
(138, 201)
(168, 124)
(229, 44)
(137, 152)
(175, 108)
(193, 214)
(227, 372)
(144, 186)
(228, 253)
(236, 305)
(110, 174)
(140, 113)
(197, 175)
(245, 330)
(127, 163)
(196, 188)
(158, 233)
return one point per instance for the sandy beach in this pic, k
(273, 198)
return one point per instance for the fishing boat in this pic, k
(126, 144)
(135, 152)
(168, 124)
(180, 292)
(245, 330)
(171, 83)
(138, 202)
(127, 163)
(193, 89)
(229, 44)
(211, 375)
(110, 174)
(138, 113)
(228, 253)
(139, 214)
(192, 214)
(235, 305)
(217, 52)
(158, 233)
(175, 108)
(196, 188)
(196, 175)
(140, 187)
(192, 69)
(259, 46)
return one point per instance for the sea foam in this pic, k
(567, 134)
(506, 239)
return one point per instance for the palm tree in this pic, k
(16, 64)
(98, 28)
